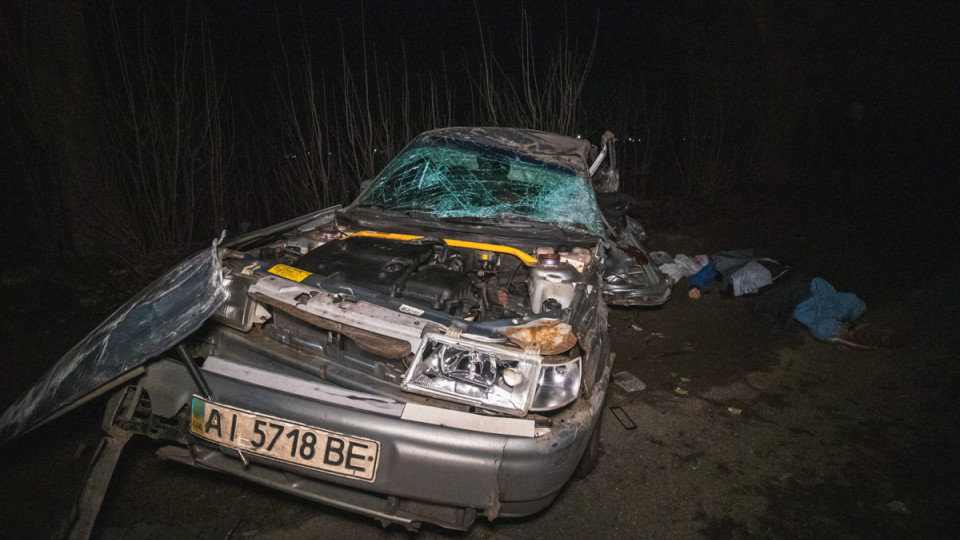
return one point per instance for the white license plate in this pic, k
(283, 440)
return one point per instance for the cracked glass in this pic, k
(448, 182)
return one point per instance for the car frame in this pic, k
(370, 357)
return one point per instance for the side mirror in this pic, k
(607, 179)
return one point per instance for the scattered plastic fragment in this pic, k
(636, 327)
(680, 391)
(628, 382)
(734, 411)
(621, 416)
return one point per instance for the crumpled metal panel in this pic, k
(548, 148)
(172, 307)
(482, 182)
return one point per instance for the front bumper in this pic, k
(427, 472)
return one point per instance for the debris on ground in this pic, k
(480, 531)
(623, 418)
(683, 266)
(826, 309)
(812, 301)
(740, 272)
(628, 382)
(734, 411)
(680, 391)
(898, 507)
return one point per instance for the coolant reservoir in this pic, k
(555, 280)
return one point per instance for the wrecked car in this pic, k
(433, 352)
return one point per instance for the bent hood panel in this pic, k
(169, 309)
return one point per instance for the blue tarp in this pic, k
(825, 311)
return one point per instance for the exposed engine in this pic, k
(472, 284)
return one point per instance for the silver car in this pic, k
(433, 352)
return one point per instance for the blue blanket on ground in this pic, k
(825, 311)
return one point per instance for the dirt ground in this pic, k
(741, 433)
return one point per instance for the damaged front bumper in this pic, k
(435, 465)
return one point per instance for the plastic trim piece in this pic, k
(496, 425)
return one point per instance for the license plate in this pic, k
(283, 440)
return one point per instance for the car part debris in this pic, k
(623, 418)
(628, 382)
(83, 515)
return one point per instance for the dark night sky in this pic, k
(892, 56)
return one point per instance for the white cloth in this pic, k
(683, 266)
(749, 278)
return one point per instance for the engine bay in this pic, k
(427, 272)
(473, 285)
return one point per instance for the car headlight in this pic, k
(559, 383)
(490, 376)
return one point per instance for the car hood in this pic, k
(168, 310)
(158, 317)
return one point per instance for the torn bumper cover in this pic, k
(172, 307)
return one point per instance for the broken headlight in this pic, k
(559, 383)
(491, 376)
(486, 375)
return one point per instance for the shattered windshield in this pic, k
(449, 182)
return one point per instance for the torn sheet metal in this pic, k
(168, 310)
(549, 148)
(334, 312)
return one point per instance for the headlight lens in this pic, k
(491, 376)
(559, 384)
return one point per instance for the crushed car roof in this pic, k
(567, 152)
